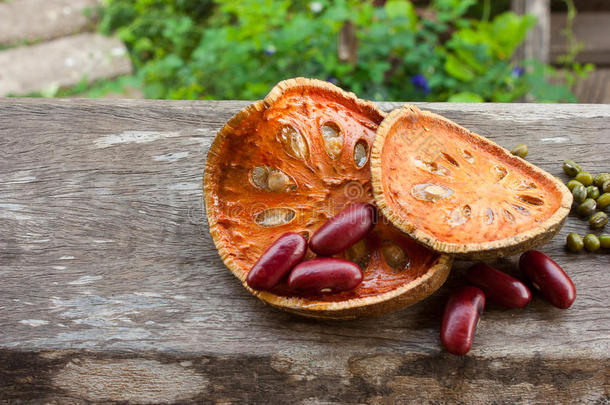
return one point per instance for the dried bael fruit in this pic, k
(291, 162)
(458, 192)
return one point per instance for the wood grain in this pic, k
(538, 41)
(591, 30)
(109, 278)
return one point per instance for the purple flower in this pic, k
(420, 82)
(517, 72)
(270, 50)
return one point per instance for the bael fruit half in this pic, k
(458, 192)
(288, 164)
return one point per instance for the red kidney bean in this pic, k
(498, 286)
(324, 275)
(344, 229)
(273, 265)
(461, 318)
(546, 275)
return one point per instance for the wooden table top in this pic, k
(111, 288)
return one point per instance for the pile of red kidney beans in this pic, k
(324, 274)
(466, 304)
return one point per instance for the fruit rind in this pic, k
(390, 301)
(472, 251)
(401, 297)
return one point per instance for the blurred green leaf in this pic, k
(465, 97)
(50, 91)
(451, 9)
(458, 69)
(509, 30)
(402, 9)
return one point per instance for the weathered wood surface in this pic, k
(595, 88)
(592, 29)
(111, 289)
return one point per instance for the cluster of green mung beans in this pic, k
(591, 193)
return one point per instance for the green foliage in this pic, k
(97, 89)
(572, 69)
(465, 97)
(238, 49)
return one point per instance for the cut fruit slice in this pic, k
(458, 192)
(288, 164)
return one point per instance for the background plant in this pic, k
(239, 49)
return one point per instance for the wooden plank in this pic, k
(109, 278)
(595, 88)
(329, 376)
(61, 63)
(35, 20)
(592, 29)
(537, 42)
